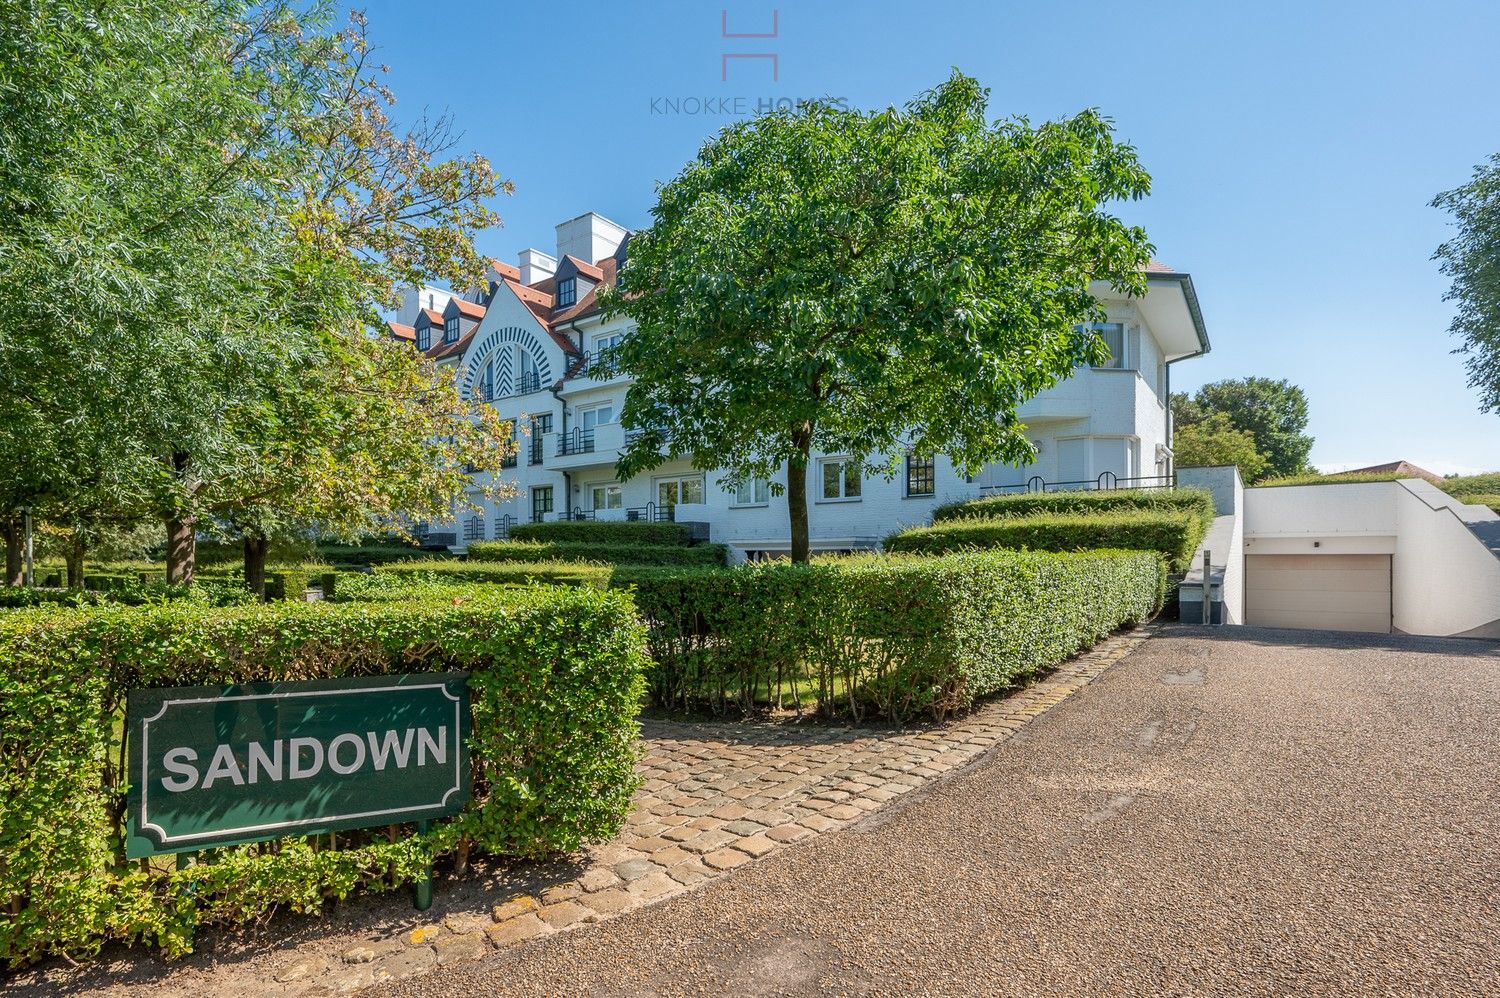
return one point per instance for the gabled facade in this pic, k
(532, 344)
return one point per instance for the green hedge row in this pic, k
(1175, 536)
(894, 637)
(1480, 499)
(556, 681)
(367, 554)
(1184, 500)
(514, 573)
(130, 592)
(604, 532)
(614, 554)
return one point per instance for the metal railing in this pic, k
(651, 513)
(598, 364)
(534, 456)
(1106, 482)
(503, 525)
(575, 441)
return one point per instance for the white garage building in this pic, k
(1399, 556)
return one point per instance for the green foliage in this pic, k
(894, 637)
(1184, 500)
(509, 573)
(130, 590)
(1318, 478)
(1487, 483)
(603, 532)
(615, 554)
(1175, 536)
(347, 555)
(1481, 499)
(1273, 412)
(850, 282)
(556, 680)
(1216, 441)
(288, 584)
(1472, 260)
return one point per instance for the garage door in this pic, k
(1333, 592)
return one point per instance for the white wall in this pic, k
(1445, 582)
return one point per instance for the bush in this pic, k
(351, 555)
(604, 532)
(453, 571)
(895, 637)
(1487, 483)
(555, 684)
(22, 597)
(1492, 501)
(614, 554)
(124, 591)
(1185, 500)
(288, 583)
(1175, 536)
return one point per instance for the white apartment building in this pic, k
(530, 343)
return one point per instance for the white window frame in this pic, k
(607, 341)
(610, 489)
(843, 496)
(677, 480)
(424, 338)
(758, 491)
(450, 329)
(592, 410)
(1120, 362)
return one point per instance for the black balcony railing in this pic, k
(598, 364)
(1107, 482)
(651, 513)
(503, 525)
(575, 441)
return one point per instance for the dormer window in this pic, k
(567, 292)
(424, 337)
(450, 329)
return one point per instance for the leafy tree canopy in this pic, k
(1273, 412)
(1216, 441)
(1472, 260)
(827, 279)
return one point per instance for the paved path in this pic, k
(1236, 812)
(716, 797)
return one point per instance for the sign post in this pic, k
(224, 765)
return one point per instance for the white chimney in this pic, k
(413, 300)
(536, 266)
(590, 237)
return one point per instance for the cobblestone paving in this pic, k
(716, 797)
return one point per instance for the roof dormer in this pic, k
(575, 278)
(460, 318)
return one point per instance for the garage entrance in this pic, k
(1332, 592)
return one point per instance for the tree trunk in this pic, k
(796, 496)
(74, 561)
(15, 569)
(257, 545)
(182, 540)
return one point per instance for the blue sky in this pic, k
(1294, 148)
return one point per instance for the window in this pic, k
(531, 378)
(753, 492)
(1113, 335)
(487, 382)
(450, 330)
(921, 475)
(541, 502)
(671, 491)
(567, 292)
(608, 496)
(609, 342)
(424, 337)
(841, 479)
(597, 416)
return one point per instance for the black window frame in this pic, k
(926, 469)
(450, 329)
(424, 338)
(542, 496)
(567, 292)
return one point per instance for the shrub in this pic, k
(452, 571)
(288, 583)
(1185, 500)
(350, 555)
(1492, 501)
(22, 597)
(1175, 536)
(555, 679)
(1487, 483)
(125, 591)
(880, 635)
(604, 532)
(615, 554)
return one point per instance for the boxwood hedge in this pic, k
(517, 573)
(615, 554)
(1175, 536)
(1185, 500)
(894, 637)
(556, 681)
(604, 532)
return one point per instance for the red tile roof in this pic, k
(400, 332)
(585, 268)
(469, 309)
(1157, 267)
(505, 270)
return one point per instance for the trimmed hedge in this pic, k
(604, 532)
(556, 681)
(1184, 500)
(349, 555)
(129, 592)
(1175, 536)
(614, 554)
(515, 573)
(895, 637)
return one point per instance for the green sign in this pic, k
(219, 765)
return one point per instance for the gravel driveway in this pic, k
(1234, 812)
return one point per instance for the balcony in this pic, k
(598, 365)
(580, 448)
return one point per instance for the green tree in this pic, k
(825, 279)
(1273, 412)
(1472, 260)
(1216, 441)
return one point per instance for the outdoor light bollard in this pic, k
(1207, 589)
